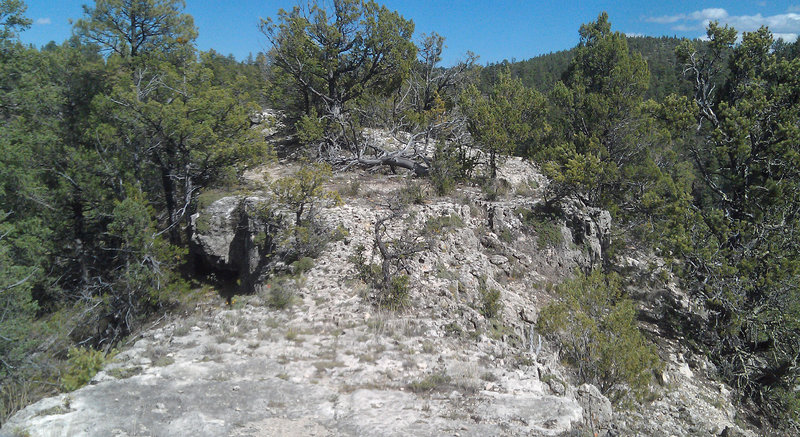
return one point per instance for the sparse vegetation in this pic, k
(490, 305)
(115, 139)
(302, 265)
(82, 365)
(451, 164)
(413, 193)
(494, 189)
(432, 382)
(395, 297)
(125, 372)
(544, 225)
(280, 292)
(594, 325)
(438, 226)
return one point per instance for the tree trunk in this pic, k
(169, 198)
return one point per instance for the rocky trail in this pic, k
(333, 364)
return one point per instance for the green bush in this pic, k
(595, 326)
(302, 265)
(432, 382)
(365, 270)
(339, 234)
(413, 193)
(445, 169)
(395, 297)
(82, 365)
(207, 197)
(279, 293)
(548, 232)
(353, 189)
(491, 306)
(506, 236)
(494, 189)
(439, 225)
(310, 128)
(17, 393)
(306, 241)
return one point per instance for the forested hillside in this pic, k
(112, 139)
(542, 72)
(107, 139)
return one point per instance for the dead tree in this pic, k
(395, 253)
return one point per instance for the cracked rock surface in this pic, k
(334, 364)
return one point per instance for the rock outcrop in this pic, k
(230, 238)
(335, 364)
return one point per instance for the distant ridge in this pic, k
(542, 72)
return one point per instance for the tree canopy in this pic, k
(335, 56)
(110, 138)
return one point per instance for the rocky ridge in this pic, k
(334, 364)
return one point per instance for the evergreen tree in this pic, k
(740, 246)
(333, 57)
(504, 120)
(177, 127)
(601, 135)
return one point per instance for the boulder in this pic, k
(590, 227)
(232, 237)
(596, 407)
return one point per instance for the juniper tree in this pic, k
(503, 119)
(334, 56)
(740, 246)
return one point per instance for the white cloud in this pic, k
(705, 14)
(634, 34)
(782, 25)
(43, 20)
(665, 19)
(685, 28)
(788, 37)
(709, 14)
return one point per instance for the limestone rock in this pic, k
(336, 365)
(224, 238)
(596, 407)
(590, 226)
(214, 229)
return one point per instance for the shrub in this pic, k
(367, 271)
(306, 241)
(207, 197)
(413, 193)
(432, 382)
(310, 128)
(279, 292)
(17, 393)
(548, 233)
(491, 306)
(340, 233)
(445, 170)
(353, 188)
(438, 225)
(302, 265)
(395, 296)
(506, 236)
(304, 192)
(594, 324)
(494, 189)
(82, 365)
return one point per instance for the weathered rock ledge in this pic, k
(334, 364)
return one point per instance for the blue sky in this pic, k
(495, 30)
